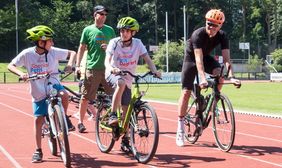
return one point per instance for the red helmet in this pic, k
(216, 16)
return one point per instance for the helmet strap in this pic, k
(45, 51)
(127, 42)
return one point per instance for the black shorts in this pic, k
(189, 71)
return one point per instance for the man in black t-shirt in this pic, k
(198, 60)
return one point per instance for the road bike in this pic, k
(140, 121)
(55, 126)
(214, 106)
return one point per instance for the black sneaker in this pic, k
(70, 126)
(113, 120)
(125, 146)
(37, 156)
(81, 127)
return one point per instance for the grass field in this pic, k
(263, 97)
(253, 97)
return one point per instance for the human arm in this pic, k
(227, 62)
(12, 68)
(198, 52)
(71, 57)
(151, 65)
(82, 47)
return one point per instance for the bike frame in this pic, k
(136, 96)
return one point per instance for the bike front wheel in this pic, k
(192, 122)
(52, 143)
(104, 138)
(144, 133)
(223, 123)
(62, 135)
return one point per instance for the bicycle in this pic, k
(55, 125)
(101, 98)
(215, 106)
(141, 121)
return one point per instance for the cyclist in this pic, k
(40, 59)
(123, 53)
(198, 60)
(94, 38)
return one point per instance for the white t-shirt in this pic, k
(125, 58)
(36, 64)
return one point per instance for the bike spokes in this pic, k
(224, 124)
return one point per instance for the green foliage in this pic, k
(260, 23)
(175, 56)
(277, 59)
(254, 63)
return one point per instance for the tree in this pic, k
(277, 59)
(175, 56)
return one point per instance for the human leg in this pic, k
(116, 101)
(189, 71)
(39, 111)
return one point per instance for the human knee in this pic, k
(121, 83)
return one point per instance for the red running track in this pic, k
(258, 140)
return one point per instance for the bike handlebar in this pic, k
(40, 76)
(124, 72)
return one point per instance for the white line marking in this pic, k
(16, 109)
(15, 163)
(252, 158)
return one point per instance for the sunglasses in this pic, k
(103, 14)
(212, 24)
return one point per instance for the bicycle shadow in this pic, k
(258, 150)
(178, 160)
(249, 150)
(86, 161)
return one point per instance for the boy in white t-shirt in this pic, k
(40, 59)
(123, 53)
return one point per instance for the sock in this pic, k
(180, 127)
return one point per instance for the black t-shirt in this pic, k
(200, 39)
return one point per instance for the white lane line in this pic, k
(30, 115)
(259, 114)
(14, 162)
(244, 156)
(256, 123)
(252, 158)
(174, 136)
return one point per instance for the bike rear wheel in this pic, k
(104, 137)
(223, 123)
(144, 133)
(192, 122)
(62, 135)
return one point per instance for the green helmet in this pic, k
(40, 32)
(128, 23)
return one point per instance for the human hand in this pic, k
(157, 74)
(204, 84)
(24, 76)
(104, 46)
(115, 70)
(68, 69)
(77, 72)
(236, 82)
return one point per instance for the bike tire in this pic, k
(191, 121)
(52, 143)
(144, 128)
(104, 137)
(62, 136)
(224, 123)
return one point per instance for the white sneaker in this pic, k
(180, 138)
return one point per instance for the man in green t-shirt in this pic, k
(94, 38)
